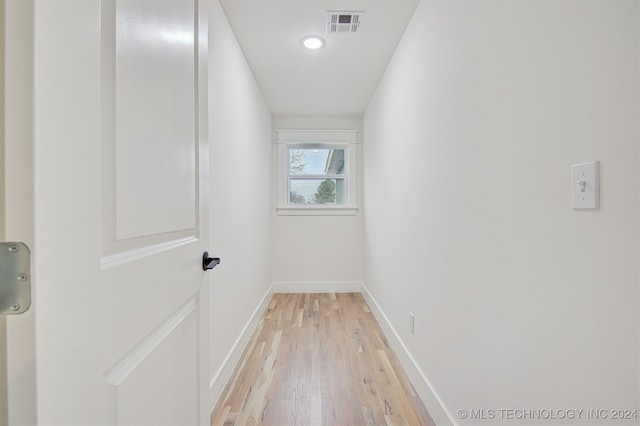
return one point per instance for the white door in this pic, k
(120, 215)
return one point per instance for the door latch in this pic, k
(15, 278)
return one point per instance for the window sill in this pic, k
(317, 211)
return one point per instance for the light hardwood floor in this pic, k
(319, 359)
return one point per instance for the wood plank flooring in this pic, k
(319, 359)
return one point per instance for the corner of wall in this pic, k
(419, 380)
(317, 286)
(220, 379)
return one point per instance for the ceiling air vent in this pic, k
(343, 22)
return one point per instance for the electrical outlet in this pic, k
(412, 323)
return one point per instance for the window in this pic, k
(316, 175)
(317, 172)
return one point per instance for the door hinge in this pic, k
(15, 278)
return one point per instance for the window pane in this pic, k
(317, 191)
(316, 161)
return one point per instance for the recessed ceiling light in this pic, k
(312, 42)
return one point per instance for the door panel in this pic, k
(150, 125)
(154, 116)
(129, 400)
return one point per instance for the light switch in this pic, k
(584, 186)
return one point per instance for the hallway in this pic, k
(319, 359)
(141, 134)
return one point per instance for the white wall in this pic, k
(316, 253)
(520, 301)
(240, 128)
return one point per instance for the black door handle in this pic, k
(209, 262)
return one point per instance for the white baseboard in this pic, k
(317, 286)
(222, 376)
(420, 382)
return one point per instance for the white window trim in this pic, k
(347, 139)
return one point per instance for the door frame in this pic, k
(3, 331)
(18, 200)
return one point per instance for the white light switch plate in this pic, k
(584, 186)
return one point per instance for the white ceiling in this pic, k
(338, 79)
